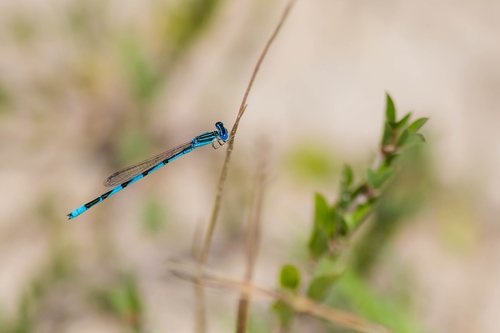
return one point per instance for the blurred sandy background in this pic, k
(87, 87)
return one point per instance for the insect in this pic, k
(123, 178)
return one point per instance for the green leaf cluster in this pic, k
(399, 134)
(333, 223)
(328, 226)
(354, 293)
(124, 301)
(289, 279)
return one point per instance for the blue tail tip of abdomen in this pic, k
(76, 212)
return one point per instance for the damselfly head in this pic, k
(222, 131)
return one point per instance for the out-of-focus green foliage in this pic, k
(259, 322)
(326, 272)
(86, 20)
(355, 294)
(290, 277)
(147, 70)
(327, 224)
(309, 162)
(285, 314)
(147, 73)
(59, 267)
(94, 42)
(30, 303)
(189, 19)
(393, 208)
(123, 301)
(143, 77)
(154, 216)
(323, 226)
(5, 99)
(333, 224)
(22, 28)
(290, 282)
(458, 229)
(132, 144)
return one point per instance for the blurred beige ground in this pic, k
(323, 82)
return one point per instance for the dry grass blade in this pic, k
(252, 243)
(205, 248)
(298, 303)
(215, 210)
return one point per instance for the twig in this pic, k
(298, 303)
(252, 243)
(205, 249)
(200, 309)
(222, 179)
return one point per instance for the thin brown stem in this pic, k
(252, 244)
(223, 175)
(298, 303)
(200, 308)
(205, 248)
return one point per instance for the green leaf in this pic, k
(390, 158)
(413, 139)
(345, 200)
(327, 265)
(322, 213)
(377, 178)
(320, 287)
(347, 177)
(388, 134)
(421, 137)
(359, 214)
(392, 311)
(326, 272)
(371, 178)
(318, 243)
(340, 224)
(417, 124)
(285, 314)
(402, 123)
(323, 226)
(384, 174)
(289, 277)
(390, 109)
(403, 137)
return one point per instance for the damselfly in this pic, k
(130, 175)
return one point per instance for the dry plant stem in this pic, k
(200, 310)
(199, 296)
(215, 210)
(205, 249)
(298, 303)
(252, 245)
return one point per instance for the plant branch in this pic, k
(205, 248)
(252, 243)
(298, 303)
(223, 175)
